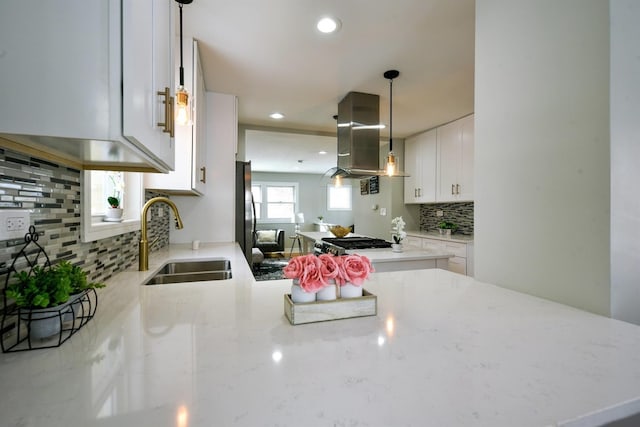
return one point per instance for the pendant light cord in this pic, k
(390, 114)
(181, 67)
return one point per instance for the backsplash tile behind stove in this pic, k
(53, 194)
(460, 213)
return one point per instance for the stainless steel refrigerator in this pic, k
(245, 210)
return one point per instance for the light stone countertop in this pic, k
(458, 238)
(384, 255)
(443, 350)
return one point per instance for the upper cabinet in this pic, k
(455, 161)
(190, 174)
(84, 82)
(420, 165)
(440, 164)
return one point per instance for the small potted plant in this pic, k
(114, 212)
(398, 233)
(44, 295)
(446, 228)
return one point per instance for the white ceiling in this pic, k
(271, 56)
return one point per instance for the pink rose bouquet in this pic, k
(355, 269)
(316, 272)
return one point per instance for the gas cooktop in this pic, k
(349, 243)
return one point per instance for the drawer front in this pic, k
(458, 249)
(415, 242)
(458, 265)
(435, 245)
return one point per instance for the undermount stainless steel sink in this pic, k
(195, 266)
(192, 271)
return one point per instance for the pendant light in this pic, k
(182, 97)
(391, 166)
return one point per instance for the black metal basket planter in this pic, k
(36, 328)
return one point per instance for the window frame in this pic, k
(93, 228)
(264, 204)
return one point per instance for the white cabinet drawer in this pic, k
(458, 249)
(435, 245)
(458, 265)
(415, 242)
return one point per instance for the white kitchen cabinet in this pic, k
(455, 160)
(462, 260)
(420, 165)
(147, 68)
(84, 79)
(189, 175)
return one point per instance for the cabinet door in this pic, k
(189, 175)
(55, 68)
(465, 174)
(428, 155)
(449, 138)
(413, 167)
(147, 61)
(199, 175)
(420, 164)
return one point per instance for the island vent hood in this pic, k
(359, 136)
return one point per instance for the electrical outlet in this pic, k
(13, 224)
(439, 213)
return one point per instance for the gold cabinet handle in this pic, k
(172, 118)
(453, 186)
(204, 174)
(457, 188)
(415, 192)
(166, 125)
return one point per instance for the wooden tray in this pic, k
(321, 311)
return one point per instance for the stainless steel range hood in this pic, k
(359, 136)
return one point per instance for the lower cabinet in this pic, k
(462, 260)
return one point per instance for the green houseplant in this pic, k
(114, 212)
(114, 202)
(44, 294)
(446, 227)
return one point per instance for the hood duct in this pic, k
(359, 136)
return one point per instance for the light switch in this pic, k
(383, 211)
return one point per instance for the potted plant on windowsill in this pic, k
(114, 212)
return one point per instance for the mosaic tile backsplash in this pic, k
(53, 194)
(460, 213)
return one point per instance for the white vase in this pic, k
(299, 295)
(44, 322)
(113, 214)
(396, 247)
(327, 293)
(350, 291)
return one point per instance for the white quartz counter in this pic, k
(443, 350)
(458, 238)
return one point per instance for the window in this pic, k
(275, 201)
(338, 198)
(97, 186)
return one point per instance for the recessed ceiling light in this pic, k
(322, 152)
(276, 116)
(328, 25)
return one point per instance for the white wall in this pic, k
(625, 155)
(368, 221)
(211, 218)
(542, 149)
